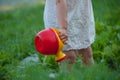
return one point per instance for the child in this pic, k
(75, 20)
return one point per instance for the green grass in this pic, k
(104, 9)
(18, 28)
(38, 72)
(17, 31)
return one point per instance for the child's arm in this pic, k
(62, 13)
(62, 18)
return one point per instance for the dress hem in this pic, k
(81, 47)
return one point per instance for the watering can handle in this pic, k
(56, 30)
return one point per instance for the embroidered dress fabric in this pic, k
(80, 20)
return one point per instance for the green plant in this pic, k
(34, 71)
(18, 28)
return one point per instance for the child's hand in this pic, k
(63, 35)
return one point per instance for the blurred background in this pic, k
(20, 20)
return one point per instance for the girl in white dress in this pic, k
(75, 20)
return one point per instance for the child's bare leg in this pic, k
(87, 57)
(67, 64)
(71, 56)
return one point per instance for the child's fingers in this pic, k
(64, 41)
(62, 36)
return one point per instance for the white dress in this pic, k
(81, 28)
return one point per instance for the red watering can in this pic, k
(47, 42)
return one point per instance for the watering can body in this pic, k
(47, 42)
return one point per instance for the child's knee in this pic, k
(71, 58)
(87, 52)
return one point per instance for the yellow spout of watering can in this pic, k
(59, 55)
